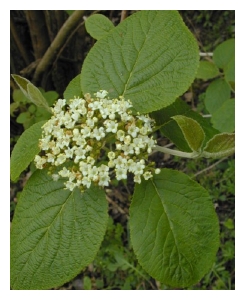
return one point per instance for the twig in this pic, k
(71, 35)
(117, 206)
(210, 167)
(57, 43)
(124, 14)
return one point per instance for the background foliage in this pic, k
(115, 266)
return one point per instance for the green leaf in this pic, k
(192, 132)
(207, 70)
(31, 92)
(170, 128)
(174, 228)
(51, 97)
(19, 96)
(23, 117)
(224, 53)
(216, 94)
(98, 26)
(25, 149)
(224, 118)
(74, 88)
(37, 97)
(87, 285)
(55, 232)
(150, 58)
(164, 115)
(221, 145)
(32, 108)
(13, 107)
(229, 223)
(230, 71)
(172, 131)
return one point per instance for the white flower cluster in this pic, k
(82, 131)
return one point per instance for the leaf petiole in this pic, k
(177, 152)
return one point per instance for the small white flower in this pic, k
(98, 133)
(69, 152)
(120, 162)
(120, 135)
(61, 158)
(118, 146)
(84, 168)
(104, 180)
(111, 126)
(121, 173)
(70, 185)
(75, 116)
(138, 168)
(111, 164)
(111, 155)
(86, 131)
(103, 169)
(95, 105)
(93, 173)
(143, 130)
(55, 177)
(90, 160)
(133, 130)
(127, 139)
(51, 157)
(147, 175)
(64, 172)
(86, 182)
(157, 171)
(101, 94)
(40, 161)
(90, 123)
(137, 178)
(48, 127)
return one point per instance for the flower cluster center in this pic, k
(86, 140)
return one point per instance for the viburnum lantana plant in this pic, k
(103, 129)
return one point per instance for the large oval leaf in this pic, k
(150, 58)
(174, 228)
(25, 149)
(55, 233)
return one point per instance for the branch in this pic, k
(70, 36)
(57, 43)
(124, 14)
